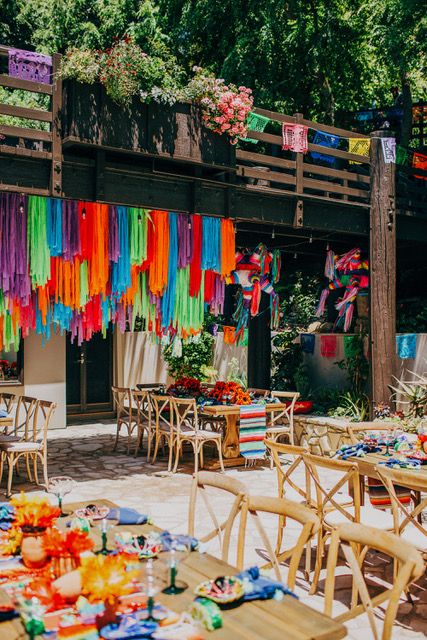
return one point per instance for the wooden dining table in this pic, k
(267, 620)
(5, 423)
(230, 442)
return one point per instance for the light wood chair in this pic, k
(186, 429)
(262, 393)
(222, 483)
(143, 419)
(164, 425)
(286, 510)
(334, 505)
(354, 540)
(33, 444)
(406, 516)
(7, 402)
(282, 421)
(126, 415)
(357, 430)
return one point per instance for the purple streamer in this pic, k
(217, 303)
(14, 278)
(184, 240)
(29, 65)
(113, 238)
(70, 230)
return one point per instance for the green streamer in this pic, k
(138, 219)
(38, 248)
(188, 310)
(84, 284)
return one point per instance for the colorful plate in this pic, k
(223, 590)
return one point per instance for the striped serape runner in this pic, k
(253, 425)
(379, 496)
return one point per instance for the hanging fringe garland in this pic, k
(68, 266)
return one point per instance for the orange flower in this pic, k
(69, 543)
(34, 513)
(13, 543)
(106, 577)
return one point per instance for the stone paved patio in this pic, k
(85, 452)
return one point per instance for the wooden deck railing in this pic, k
(34, 142)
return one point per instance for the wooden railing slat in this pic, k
(26, 85)
(335, 131)
(21, 132)
(262, 159)
(273, 115)
(336, 173)
(271, 176)
(26, 153)
(24, 112)
(332, 187)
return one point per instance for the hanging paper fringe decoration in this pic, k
(419, 161)
(295, 138)
(229, 335)
(348, 272)
(255, 122)
(323, 139)
(79, 267)
(359, 146)
(389, 149)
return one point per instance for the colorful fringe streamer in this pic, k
(81, 266)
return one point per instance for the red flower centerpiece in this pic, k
(185, 388)
(230, 393)
(65, 549)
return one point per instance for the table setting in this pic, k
(87, 576)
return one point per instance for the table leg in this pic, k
(230, 445)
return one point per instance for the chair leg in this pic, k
(1, 466)
(156, 448)
(170, 457)
(319, 562)
(117, 436)
(196, 457)
(149, 438)
(139, 440)
(221, 463)
(45, 476)
(178, 448)
(36, 471)
(201, 455)
(10, 461)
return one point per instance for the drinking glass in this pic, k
(97, 516)
(177, 550)
(61, 486)
(152, 578)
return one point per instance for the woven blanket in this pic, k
(253, 425)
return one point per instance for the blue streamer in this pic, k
(168, 299)
(54, 226)
(325, 140)
(62, 316)
(211, 244)
(120, 270)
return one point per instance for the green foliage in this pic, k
(23, 99)
(351, 405)
(356, 366)
(286, 360)
(299, 298)
(195, 354)
(412, 316)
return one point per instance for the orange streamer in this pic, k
(159, 265)
(98, 263)
(228, 241)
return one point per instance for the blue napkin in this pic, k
(126, 515)
(3, 413)
(258, 587)
(406, 345)
(6, 516)
(167, 538)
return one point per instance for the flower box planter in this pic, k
(175, 132)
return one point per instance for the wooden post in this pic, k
(382, 271)
(56, 172)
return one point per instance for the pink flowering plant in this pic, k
(225, 108)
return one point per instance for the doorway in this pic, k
(89, 378)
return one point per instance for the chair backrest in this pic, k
(7, 401)
(185, 412)
(404, 514)
(259, 392)
(24, 417)
(287, 413)
(354, 540)
(286, 475)
(150, 386)
(42, 416)
(222, 530)
(340, 473)
(122, 398)
(288, 510)
(142, 404)
(357, 430)
(163, 410)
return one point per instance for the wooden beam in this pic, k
(26, 85)
(382, 271)
(24, 112)
(56, 171)
(22, 132)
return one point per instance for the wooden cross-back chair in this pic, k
(289, 485)
(354, 540)
(7, 402)
(334, 504)
(187, 429)
(32, 444)
(126, 415)
(286, 510)
(143, 407)
(406, 516)
(282, 420)
(164, 425)
(222, 530)
(263, 393)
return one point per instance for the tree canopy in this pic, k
(318, 57)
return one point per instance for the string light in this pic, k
(311, 238)
(21, 208)
(273, 234)
(295, 255)
(327, 246)
(84, 213)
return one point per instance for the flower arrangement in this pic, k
(69, 543)
(185, 387)
(120, 69)
(230, 392)
(11, 541)
(35, 514)
(106, 578)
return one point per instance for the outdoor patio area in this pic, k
(85, 453)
